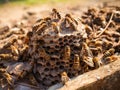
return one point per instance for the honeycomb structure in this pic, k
(58, 44)
(12, 43)
(13, 46)
(54, 45)
(59, 48)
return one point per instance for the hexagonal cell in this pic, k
(40, 69)
(47, 82)
(52, 63)
(42, 52)
(62, 67)
(56, 68)
(41, 61)
(57, 46)
(47, 71)
(53, 72)
(60, 39)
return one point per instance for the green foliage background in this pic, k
(29, 2)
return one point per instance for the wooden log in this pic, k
(104, 78)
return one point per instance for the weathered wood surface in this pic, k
(104, 78)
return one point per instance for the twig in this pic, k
(28, 85)
(106, 26)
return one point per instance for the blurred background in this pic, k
(14, 10)
(32, 1)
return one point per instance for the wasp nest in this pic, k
(13, 45)
(60, 44)
(12, 42)
(59, 48)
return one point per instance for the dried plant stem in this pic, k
(106, 26)
(27, 85)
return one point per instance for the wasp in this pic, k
(6, 56)
(76, 64)
(108, 33)
(38, 24)
(4, 29)
(97, 62)
(10, 79)
(55, 28)
(47, 19)
(64, 78)
(67, 53)
(6, 35)
(71, 18)
(98, 43)
(56, 15)
(10, 33)
(11, 40)
(108, 53)
(41, 22)
(88, 29)
(98, 58)
(70, 24)
(14, 50)
(42, 28)
(111, 58)
(87, 55)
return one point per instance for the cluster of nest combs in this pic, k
(13, 46)
(61, 47)
(65, 45)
